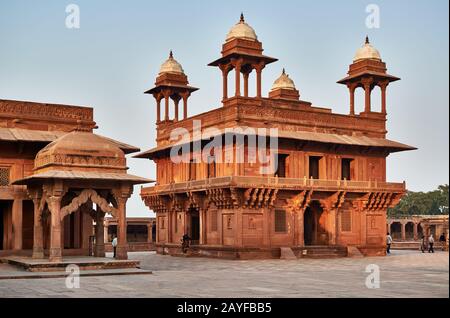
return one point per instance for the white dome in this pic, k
(171, 66)
(367, 52)
(283, 82)
(242, 31)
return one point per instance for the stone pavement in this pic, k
(403, 274)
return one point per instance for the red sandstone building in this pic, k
(58, 180)
(329, 190)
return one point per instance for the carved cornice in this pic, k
(45, 111)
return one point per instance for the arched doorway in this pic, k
(194, 225)
(314, 223)
(419, 231)
(409, 231)
(396, 230)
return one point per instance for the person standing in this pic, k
(388, 243)
(430, 244)
(114, 245)
(423, 244)
(185, 243)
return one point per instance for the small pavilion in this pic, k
(80, 174)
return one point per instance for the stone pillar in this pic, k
(55, 229)
(352, 88)
(99, 234)
(225, 70)
(86, 221)
(157, 226)
(158, 107)
(329, 208)
(363, 214)
(258, 68)
(266, 227)
(367, 84)
(185, 96)
(17, 216)
(332, 221)
(166, 105)
(122, 243)
(202, 215)
(176, 101)
(122, 196)
(237, 68)
(383, 86)
(367, 106)
(238, 226)
(416, 227)
(38, 231)
(169, 226)
(246, 75)
(403, 231)
(299, 233)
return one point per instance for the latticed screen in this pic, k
(346, 221)
(280, 221)
(213, 220)
(4, 177)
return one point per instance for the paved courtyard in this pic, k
(403, 274)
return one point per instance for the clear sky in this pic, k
(116, 53)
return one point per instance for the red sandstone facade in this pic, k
(329, 188)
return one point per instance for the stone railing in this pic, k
(275, 182)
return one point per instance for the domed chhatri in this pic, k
(284, 88)
(242, 31)
(171, 66)
(367, 52)
(80, 150)
(283, 82)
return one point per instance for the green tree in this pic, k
(426, 203)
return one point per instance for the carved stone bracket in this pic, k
(255, 198)
(301, 201)
(157, 203)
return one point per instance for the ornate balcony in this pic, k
(275, 183)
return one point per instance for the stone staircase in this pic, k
(325, 251)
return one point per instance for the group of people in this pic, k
(425, 243)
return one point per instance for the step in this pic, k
(324, 251)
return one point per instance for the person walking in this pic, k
(430, 244)
(114, 245)
(388, 243)
(442, 241)
(423, 244)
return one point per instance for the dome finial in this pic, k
(367, 39)
(284, 71)
(242, 20)
(171, 55)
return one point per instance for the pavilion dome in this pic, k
(283, 82)
(171, 66)
(367, 52)
(82, 151)
(242, 30)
